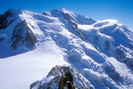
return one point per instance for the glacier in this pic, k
(31, 44)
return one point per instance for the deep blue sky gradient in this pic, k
(122, 10)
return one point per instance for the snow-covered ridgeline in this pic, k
(100, 51)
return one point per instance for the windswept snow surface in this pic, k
(18, 72)
(101, 51)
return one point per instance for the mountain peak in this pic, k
(99, 52)
(63, 10)
(71, 16)
(4, 18)
(14, 11)
(67, 11)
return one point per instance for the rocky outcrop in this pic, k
(4, 19)
(22, 36)
(62, 77)
(122, 55)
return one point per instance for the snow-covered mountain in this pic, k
(94, 54)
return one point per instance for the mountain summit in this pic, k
(72, 51)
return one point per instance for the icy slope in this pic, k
(101, 51)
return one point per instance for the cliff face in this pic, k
(22, 36)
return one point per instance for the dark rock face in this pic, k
(62, 78)
(120, 55)
(22, 36)
(3, 19)
(107, 45)
(113, 73)
(66, 80)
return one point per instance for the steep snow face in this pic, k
(101, 51)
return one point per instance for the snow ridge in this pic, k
(100, 51)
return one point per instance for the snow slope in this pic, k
(31, 44)
(18, 72)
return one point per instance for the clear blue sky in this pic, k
(122, 10)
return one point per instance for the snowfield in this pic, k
(31, 44)
(18, 72)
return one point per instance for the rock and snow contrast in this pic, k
(64, 50)
(61, 77)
